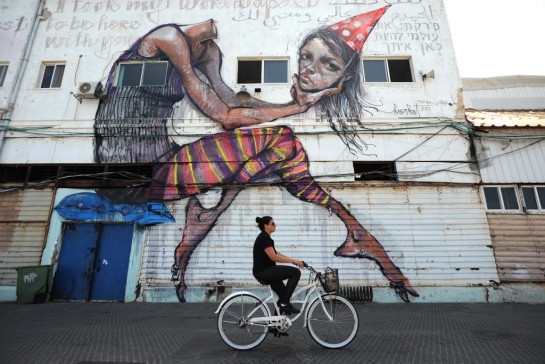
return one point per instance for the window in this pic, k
(142, 74)
(501, 198)
(262, 71)
(51, 75)
(534, 197)
(375, 171)
(387, 70)
(3, 72)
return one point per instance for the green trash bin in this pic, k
(33, 283)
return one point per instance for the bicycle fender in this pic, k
(234, 294)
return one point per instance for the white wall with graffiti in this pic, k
(360, 156)
(88, 36)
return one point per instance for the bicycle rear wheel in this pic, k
(340, 330)
(233, 325)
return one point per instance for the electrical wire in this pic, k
(41, 131)
(464, 128)
(133, 177)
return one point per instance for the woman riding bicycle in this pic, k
(266, 271)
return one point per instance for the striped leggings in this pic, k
(236, 157)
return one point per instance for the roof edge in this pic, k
(490, 83)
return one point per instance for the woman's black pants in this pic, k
(275, 275)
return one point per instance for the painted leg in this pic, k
(199, 221)
(361, 244)
(292, 165)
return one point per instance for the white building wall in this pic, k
(89, 36)
(436, 234)
(504, 93)
(512, 160)
(16, 21)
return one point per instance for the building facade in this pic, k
(507, 113)
(142, 138)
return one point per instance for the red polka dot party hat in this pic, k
(355, 30)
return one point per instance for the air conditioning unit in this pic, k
(90, 90)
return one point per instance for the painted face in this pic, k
(319, 68)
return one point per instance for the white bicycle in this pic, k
(244, 319)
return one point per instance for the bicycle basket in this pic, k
(330, 280)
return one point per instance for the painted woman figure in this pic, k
(130, 127)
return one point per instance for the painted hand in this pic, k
(310, 98)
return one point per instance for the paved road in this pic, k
(186, 333)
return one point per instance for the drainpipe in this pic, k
(21, 67)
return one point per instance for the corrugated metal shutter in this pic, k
(23, 222)
(519, 246)
(511, 161)
(435, 235)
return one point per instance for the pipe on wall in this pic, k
(21, 67)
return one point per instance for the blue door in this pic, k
(93, 263)
(76, 262)
(112, 263)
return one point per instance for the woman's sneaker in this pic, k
(287, 308)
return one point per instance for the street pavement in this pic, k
(187, 333)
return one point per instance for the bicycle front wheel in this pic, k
(233, 325)
(338, 331)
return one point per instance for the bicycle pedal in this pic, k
(277, 333)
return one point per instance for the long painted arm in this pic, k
(172, 43)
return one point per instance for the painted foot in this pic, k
(180, 289)
(403, 290)
(364, 245)
(175, 270)
(401, 284)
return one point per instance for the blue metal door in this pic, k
(93, 262)
(76, 261)
(112, 263)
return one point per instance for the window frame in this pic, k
(540, 206)
(3, 74)
(519, 193)
(385, 59)
(360, 166)
(263, 60)
(143, 63)
(500, 195)
(41, 75)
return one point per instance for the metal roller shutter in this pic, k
(519, 246)
(23, 222)
(435, 235)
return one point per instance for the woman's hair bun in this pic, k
(258, 219)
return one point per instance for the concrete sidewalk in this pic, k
(186, 333)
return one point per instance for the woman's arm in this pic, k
(281, 258)
(172, 43)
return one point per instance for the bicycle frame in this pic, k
(270, 321)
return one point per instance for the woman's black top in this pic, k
(261, 259)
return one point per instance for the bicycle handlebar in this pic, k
(309, 267)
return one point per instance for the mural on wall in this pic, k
(130, 127)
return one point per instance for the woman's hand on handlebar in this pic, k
(298, 263)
